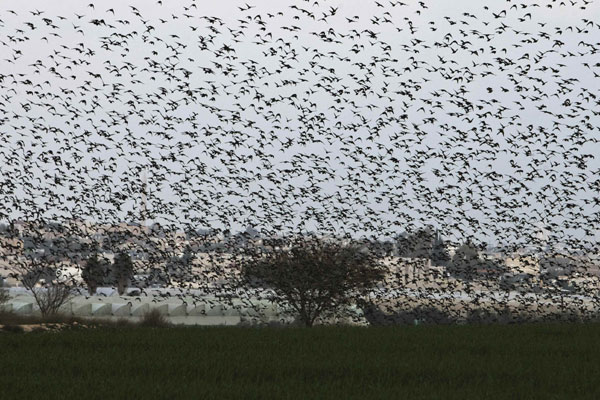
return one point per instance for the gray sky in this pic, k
(378, 102)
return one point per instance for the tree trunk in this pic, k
(307, 321)
(121, 286)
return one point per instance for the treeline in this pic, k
(99, 271)
(466, 262)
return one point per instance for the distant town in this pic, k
(414, 260)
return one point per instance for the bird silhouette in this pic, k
(309, 118)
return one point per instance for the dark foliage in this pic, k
(313, 276)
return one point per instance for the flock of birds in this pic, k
(308, 116)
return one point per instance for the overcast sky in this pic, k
(430, 61)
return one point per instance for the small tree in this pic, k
(179, 269)
(439, 252)
(314, 277)
(93, 273)
(417, 244)
(465, 262)
(50, 295)
(122, 270)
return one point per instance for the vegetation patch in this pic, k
(541, 361)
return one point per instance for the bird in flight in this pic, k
(462, 148)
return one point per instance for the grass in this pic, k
(541, 361)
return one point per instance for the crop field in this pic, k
(535, 361)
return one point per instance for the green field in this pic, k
(410, 362)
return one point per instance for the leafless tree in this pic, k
(51, 294)
(51, 298)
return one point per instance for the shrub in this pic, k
(123, 322)
(251, 322)
(13, 328)
(155, 319)
(423, 314)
